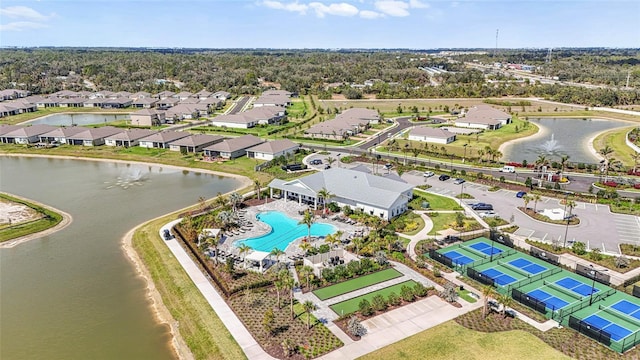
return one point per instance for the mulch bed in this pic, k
(565, 340)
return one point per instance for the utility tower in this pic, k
(548, 63)
(496, 50)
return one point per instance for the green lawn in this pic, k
(464, 294)
(48, 220)
(452, 341)
(357, 283)
(616, 140)
(436, 202)
(350, 306)
(443, 221)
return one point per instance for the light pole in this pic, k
(464, 157)
(461, 192)
(594, 273)
(568, 218)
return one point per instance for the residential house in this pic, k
(232, 148)
(128, 138)
(349, 188)
(140, 95)
(277, 93)
(183, 95)
(272, 100)
(8, 110)
(222, 95)
(26, 134)
(167, 103)
(195, 143)
(72, 102)
(12, 94)
(4, 128)
(164, 95)
(122, 94)
(187, 111)
(213, 103)
(348, 123)
(161, 140)
(267, 115)
(116, 103)
(60, 134)
(64, 94)
(272, 149)
(95, 102)
(51, 101)
(484, 117)
(93, 136)
(431, 135)
(202, 94)
(148, 117)
(144, 102)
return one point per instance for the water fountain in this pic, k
(550, 146)
(127, 179)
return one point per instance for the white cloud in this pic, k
(21, 25)
(393, 7)
(23, 12)
(338, 9)
(368, 14)
(417, 4)
(293, 6)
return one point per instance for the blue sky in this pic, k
(417, 24)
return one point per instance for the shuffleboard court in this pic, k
(356, 284)
(350, 306)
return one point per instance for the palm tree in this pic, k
(308, 306)
(224, 217)
(305, 246)
(290, 283)
(571, 205)
(635, 157)
(487, 292)
(527, 199)
(416, 151)
(536, 198)
(540, 162)
(563, 163)
(481, 155)
(307, 220)
(235, 200)
(605, 152)
(257, 185)
(306, 272)
(244, 249)
(334, 239)
(330, 160)
(506, 302)
(358, 242)
(277, 253)
(325, 195)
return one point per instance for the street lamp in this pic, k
(465, 152)
(594, 273)
(461, 191)
(568, 218)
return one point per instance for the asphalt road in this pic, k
(240, 103)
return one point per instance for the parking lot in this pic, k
(598, 228)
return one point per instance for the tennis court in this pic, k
(350, 306)
(616, 331)
(356, 284)
(550, 301)
(528, 266)
(576, 286)
(499, 277)
(458, 258)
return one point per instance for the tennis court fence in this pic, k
(441, 258)
(565, 311)
(529, 301)
(592, 332)
(532, 279)
(515, 269)
(480, 277)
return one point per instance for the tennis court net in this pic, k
(514, 268)
(619, 315)
(473, 251)
(562, 290)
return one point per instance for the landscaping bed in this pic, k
(568, 341)
(356, 284)
(352, 305)
(537, 216)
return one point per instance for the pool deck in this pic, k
(291, 209)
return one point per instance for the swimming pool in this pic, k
(284, 230)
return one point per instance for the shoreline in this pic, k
(542, 131)
(67, 219)
(160, 312)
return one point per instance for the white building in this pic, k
(272, 149)
(431, 135)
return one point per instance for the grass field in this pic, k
(616, 140)
(437, 202)
(356, 284)
(445, 220)
(200, 327)
(48, 220)
(451, 341)
(350, 306)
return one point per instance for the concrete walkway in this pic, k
(237, 329)
(421, 235)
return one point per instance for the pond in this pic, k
(74, 294)
(79, 119)
(561, 136)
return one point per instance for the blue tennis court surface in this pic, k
(458, 258)
(576, 286)
(628, 308)
(528, 266)
(498, 277)
(549, 300)
(617, 332)
(485, 248)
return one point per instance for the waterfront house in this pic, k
(195, 143)
(232, 148)
(93, 136)
(26, 134)
(161, 140)
(272, 149)
(148, 117)
(128, 138)
(431, 135)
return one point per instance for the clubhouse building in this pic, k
(372, 194)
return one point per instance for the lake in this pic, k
(79, 119)
(561, 136)
(74, 294)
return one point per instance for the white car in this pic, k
(428, 174)
(487, 213)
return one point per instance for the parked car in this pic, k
(521, 194)
(444, 177)
(458, 181)
(315, 162)
(508, 169)
(166, 234)
(489, 213)
(428, 174)
(482, 206)
(327, 167)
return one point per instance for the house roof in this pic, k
(131, 134)
(182, 94)
(145, 100)
(148, 112)
(96, 133)
(197, 140)
(28, 131)
(276, 146)
(64, 131)
(219, 94)
(203, 93)
(279, 100)
(235, 144)
(484, 114)
(140, 95)
(349, 184)
(73, 100)
(277, 93)
(182, 109)
(165, 136)
(253, 115)
(4, 129)
(431, 132)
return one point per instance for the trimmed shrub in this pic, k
(379, 303)
(365, 307)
